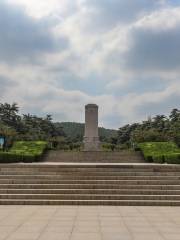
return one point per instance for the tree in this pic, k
(150, 135)
(174, 115)
(124, 133)
(114, 140)
(159, 122)
(9, 115)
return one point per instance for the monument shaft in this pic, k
(91, 137)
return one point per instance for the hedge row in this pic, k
(173, 158)
(161, 152)
(8, 157)
(24, 151)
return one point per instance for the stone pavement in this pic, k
(89, 223)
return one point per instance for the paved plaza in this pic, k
(89, 223)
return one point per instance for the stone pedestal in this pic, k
(91, 136)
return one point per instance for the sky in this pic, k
(58, 55)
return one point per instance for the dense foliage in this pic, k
(26, 127)
(25, 151)
(160, 128)
(160, 152)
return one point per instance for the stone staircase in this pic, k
(90, 184)
(96, 157)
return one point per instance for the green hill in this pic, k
(75, 131)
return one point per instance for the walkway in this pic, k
(89, 223)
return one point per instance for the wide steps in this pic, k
(84, 173)
(89, 191)
(91, 202)
(94, 157)
(90, 184)
(84, 178)
(115, 160)
(72, 181)
(89, 197)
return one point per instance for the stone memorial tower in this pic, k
(91, 136)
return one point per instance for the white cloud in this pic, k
(139, 106)
(164, 19)
(43, 8)
(108, 61)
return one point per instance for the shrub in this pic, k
(172, 158)
(106, 146)
(8, 157)
(160, 152)
(24, 151)
(148, 158)
(158, 159)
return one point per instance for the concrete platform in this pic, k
(89, 223)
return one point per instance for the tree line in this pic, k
(159, 128)
(65, 135)
(14, 126)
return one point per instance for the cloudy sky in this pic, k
(58, 55)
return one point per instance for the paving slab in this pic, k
(89, 223)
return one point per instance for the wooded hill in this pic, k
(75, 131)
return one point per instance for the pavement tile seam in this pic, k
(13, 232)
(53, 213)
(151, 222)
(99, 224)
(73, 227)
